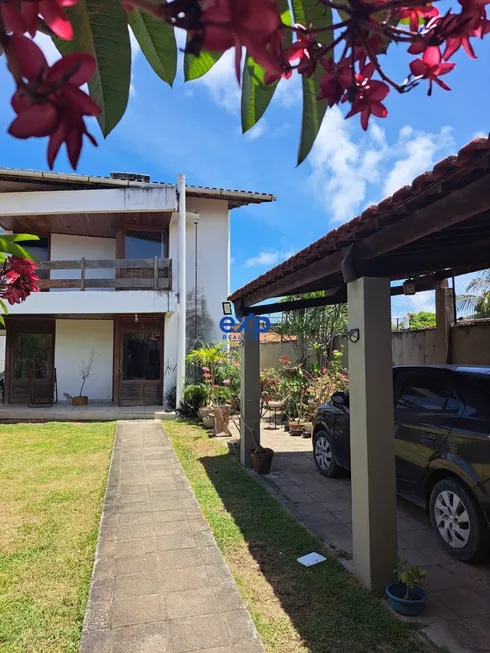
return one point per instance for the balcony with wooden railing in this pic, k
(109, 274)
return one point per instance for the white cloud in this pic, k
(418, 151)
(222, 84)
(256, 131)
(135, 50)
(268, 258)
(480, 134)
(345, 168)
(289, 91)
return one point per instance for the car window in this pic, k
(426, 392)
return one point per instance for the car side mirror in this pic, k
(338, 399)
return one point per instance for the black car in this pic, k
(442, 436)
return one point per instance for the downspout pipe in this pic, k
(182, 285)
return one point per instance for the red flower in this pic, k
(19, 279)
(415, 13)
(243, 23)
(369, 94)
(458, 29)
(430, 67)
(48, 100)
(21, 17)
(337, 79)
(302, 49)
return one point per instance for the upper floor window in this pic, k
(145, 244)
(38, 248)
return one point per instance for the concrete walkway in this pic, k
(160, 584)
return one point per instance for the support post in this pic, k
(249, 395)
(372, 444)
(182, 289)
(445, 319)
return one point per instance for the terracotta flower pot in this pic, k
(296, 428)
(262, 461)
(79, 401)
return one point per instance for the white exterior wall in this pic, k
(170, 353)
(93, 302)
(213, 267)
(74, 248)
(74, 341)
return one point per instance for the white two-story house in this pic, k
(132, 270)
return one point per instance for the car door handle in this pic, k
(430, 436)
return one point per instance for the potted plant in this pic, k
(408, 595)
(85, 369)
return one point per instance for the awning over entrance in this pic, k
(437, 227)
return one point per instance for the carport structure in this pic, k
(436, 228)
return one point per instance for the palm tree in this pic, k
(476, 301)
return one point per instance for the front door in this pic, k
(30, 354)
(141, 359)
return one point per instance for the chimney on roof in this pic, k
(130, 176)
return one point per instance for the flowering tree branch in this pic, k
(338, 45)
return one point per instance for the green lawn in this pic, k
(52, 481)
(296, 610)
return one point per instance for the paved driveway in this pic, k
(458, 610)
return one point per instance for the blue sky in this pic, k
(194, 128)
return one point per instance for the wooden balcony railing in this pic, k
(130, 274)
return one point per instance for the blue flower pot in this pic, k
(410, 608)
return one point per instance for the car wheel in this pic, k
(458, 521)
(324, 454)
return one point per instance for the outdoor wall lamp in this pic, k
(226, 308)
(353, 335)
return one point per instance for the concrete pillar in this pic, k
(182, 287)
(445, 319)
(249, 395)
(374, 519)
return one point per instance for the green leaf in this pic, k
(307, 12)
(195, 67)
(101, 29)
(9, 247)
(157, 42)
(18, 238)
(5, 310)
(256, 95)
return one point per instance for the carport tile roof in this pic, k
(467, 157)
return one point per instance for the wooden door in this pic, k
(140, 361)
(30, 350)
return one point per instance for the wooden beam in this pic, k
(407, 265)
(452, 209)
(279, 307)
(122, 263)
(319, 269)
(428, 282)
